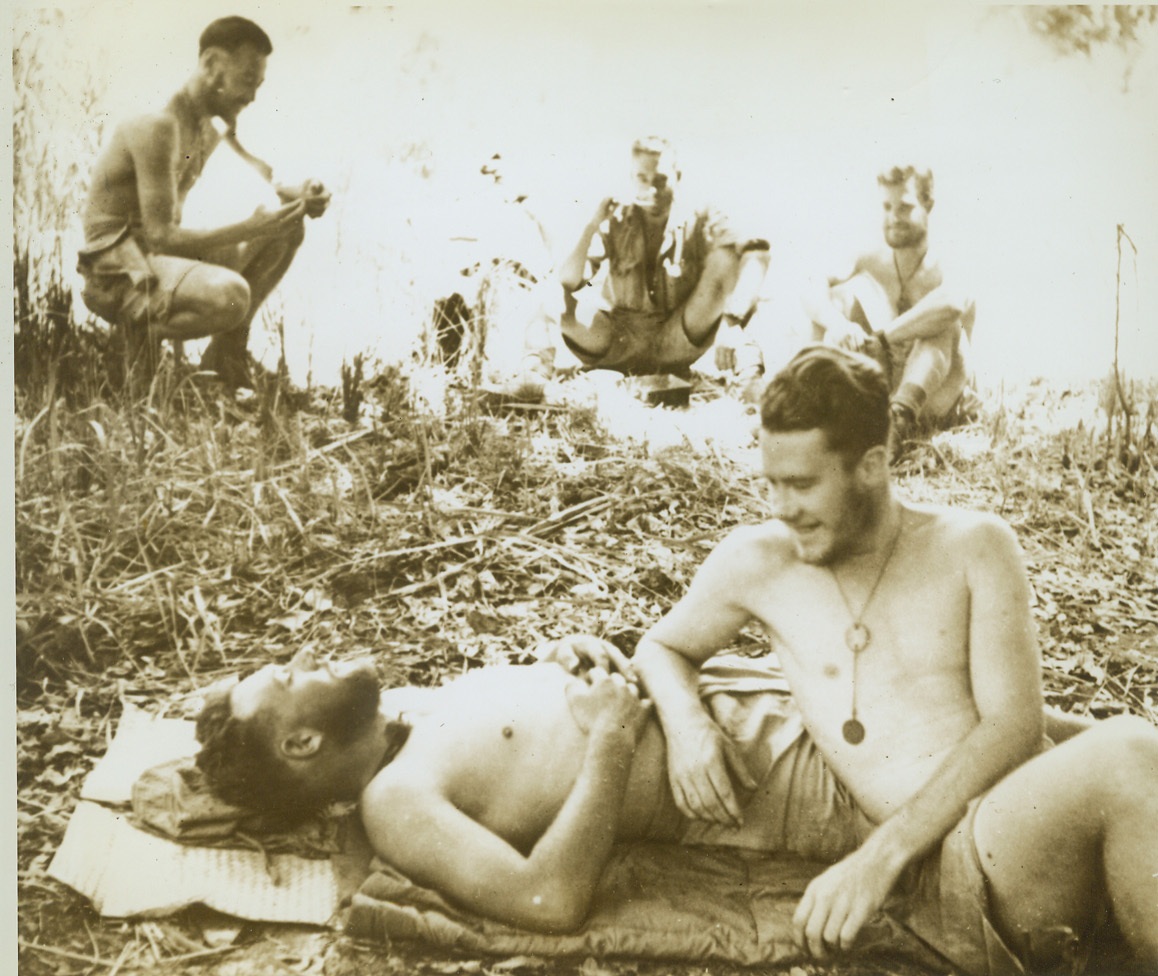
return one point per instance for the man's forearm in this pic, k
(571, 270)
(670, 681)
(567, 862)
(927, 319)
(185, 242)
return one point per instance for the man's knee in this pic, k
(215, 294)
(1128, 746)
(721, 270)
(231, 301)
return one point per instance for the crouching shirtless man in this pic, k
(906, 636)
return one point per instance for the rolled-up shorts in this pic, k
(801, 808)
(127, 287)
(642, 342)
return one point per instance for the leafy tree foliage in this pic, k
(1081, 27)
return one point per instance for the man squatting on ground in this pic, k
(506, 788)
(674, 280)
(158, 280)
(896, 306)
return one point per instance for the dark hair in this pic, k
(900, 175)
(842, 393)
(240, 764)
(230, 33)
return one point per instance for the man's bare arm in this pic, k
(153, 143)
(419, 831)
(1005, 672)
(929, 318)
(573, 268)
(701, 759)
(828, 322)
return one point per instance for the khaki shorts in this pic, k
(641, 342)
(127, 287)
(801, 808)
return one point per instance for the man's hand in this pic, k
(312, 193)
(581, 653)
(702, 762)
(838, 902)
(607, 206)
(273, 223)
(854, 339)
(617, 703)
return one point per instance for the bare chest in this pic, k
(506, 752)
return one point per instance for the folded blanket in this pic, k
(659, 901)
(666, 901)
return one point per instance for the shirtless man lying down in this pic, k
(503, 789)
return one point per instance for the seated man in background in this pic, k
(650, 284)
(503, 789)
(896, 306)
(144, 271)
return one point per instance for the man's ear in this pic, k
(212, 61)
(872, 470)
(302, 744)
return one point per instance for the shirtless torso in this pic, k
(913, 682)
(166, 147)
(505, 746)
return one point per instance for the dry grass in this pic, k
(166, 538)
(167, 541)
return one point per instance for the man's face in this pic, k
(234, 80)
(906, 219)
(814, 494)
(339, 700)
(652, 185)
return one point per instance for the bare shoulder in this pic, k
(150, 128)
(755, 551)
(966, 532)
(878, 264)
(392, 798)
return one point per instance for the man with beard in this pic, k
(143, 270)
(906, 636)
(896, 306)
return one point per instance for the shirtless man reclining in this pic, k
(503, 789)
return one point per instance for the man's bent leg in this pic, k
(262, 264)
(929, 384)
(206, 300)
(1072, 830)
(587, 340)
(708, 300)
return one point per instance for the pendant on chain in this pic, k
(853, 732)
(857, 637)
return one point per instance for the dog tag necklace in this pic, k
(858, 637)
(904, 302)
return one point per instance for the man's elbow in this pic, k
(557, 912)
